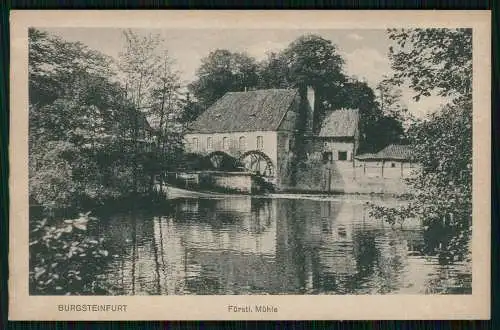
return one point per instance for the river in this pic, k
(250, 245)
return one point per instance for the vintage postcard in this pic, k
(192, 165)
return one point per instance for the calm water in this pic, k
(246, 245)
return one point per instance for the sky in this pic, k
(365, 51)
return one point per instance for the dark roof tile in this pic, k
(340, 123)
(260, 110)
(392, 152)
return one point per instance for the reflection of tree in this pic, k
(271, 246)
(154, 246)
(366, 254)
(134, 250)
(365, 251)
(437, 241)
(289, 246)
(296, 222)
(261, 215)
(390, 263)
(455, 279)
(162, 247)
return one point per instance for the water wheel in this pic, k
(257, 162)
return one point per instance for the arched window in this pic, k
(210, 143)
(243, 143)
(260, 142)
(225, 143)
(196, 144)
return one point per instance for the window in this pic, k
(393, 165)
(327, 157)
(342, 155)
(225, 143)
(260, 142)
(195, 144)
(210, 143)
(243, 143)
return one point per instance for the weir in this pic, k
(217, 181)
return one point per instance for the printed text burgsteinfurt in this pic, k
(252, 309)
(91, 308)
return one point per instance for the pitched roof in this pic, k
(259, 110)
(340, 123)
(392, 151)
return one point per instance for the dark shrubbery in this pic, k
(439, 60)
(64, 259)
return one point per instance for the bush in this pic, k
(442, 144)
(65, 259)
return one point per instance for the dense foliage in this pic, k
(91, 143)
(433, 60)
(64, 259)
(223, 71)
(90, 139)
(439, 60)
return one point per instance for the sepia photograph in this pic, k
(185, 161)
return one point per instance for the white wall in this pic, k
(391, 169)
(233, 149)
(330, 145)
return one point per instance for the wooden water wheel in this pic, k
(257, 162)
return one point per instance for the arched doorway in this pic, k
(222, 161)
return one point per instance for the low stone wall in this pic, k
(231, 181)
(349, 177)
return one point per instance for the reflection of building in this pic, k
(236, 257)
(257, 245)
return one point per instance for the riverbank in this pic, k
(130, 202)
(172, 192)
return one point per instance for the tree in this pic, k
(168, 109)
(439, 60)
(313, 60)
(60, 69)
(80, 125)
(73, 108)
(78, 117)
(223, 71)
(153, 87)
(433, 60)
(139, 63)
(393, 115)
(191, 110)
(355, 94)
(389, 99)
(310, 60)
(274, 73)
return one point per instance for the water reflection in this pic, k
(249, 245)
